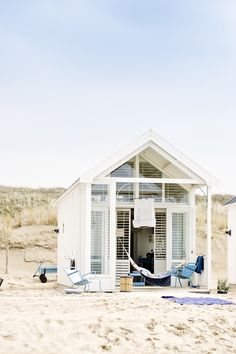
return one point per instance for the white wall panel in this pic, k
(232, 244)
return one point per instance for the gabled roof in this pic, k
(231, 201)
(154, 140)
(147, 140)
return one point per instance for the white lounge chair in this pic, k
(82, 280)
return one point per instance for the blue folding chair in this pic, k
(185, 273)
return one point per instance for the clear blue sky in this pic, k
(80, 79)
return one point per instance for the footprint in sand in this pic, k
(200, 339)
(151, 342)
(8, 337)
(180, 328)
(127, 330)
(94, 327)
(151, 325)
(106, 347)
(125, 333)
(221, 320)
(112, 338)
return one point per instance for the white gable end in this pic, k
(148, 144)
(157, 151)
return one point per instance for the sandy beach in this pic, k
(41, 318)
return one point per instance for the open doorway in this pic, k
(142, 245)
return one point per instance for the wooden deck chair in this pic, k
(185, 273)
(82, 280)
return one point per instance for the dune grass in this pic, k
(27, 206)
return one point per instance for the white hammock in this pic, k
(154, 279)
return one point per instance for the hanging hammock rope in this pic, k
(161, 279)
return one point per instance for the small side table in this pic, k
(138, 279)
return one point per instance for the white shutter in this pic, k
(179, 236)
(97, 240)
(160, 235)
(123, 239)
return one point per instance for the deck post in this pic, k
(192, 221)
(209, 231)
(112, 265)
(87, 238)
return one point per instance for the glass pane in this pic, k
(151, 190)
(97, 241)
(99, 193)
(100, 228)
(179, 237)
(174, 193)
(148, 170)
(124, 192)
(125, 170)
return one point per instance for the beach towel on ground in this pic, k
(198, 300)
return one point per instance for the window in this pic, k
(146, 190)
(97, 241)
(125, 191)
(99, 193)
(174, 193)
(179, 237)
(125, 170)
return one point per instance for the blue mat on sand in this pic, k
(198, 300)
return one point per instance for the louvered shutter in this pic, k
(179, 237)
(97, 241)
(160, 235)
(123, 239)
(160, 241)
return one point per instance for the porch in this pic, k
(172, 240)
(98, 209)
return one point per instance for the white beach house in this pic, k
(231, 249)
(95, 215)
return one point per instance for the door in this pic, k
(178, 230)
